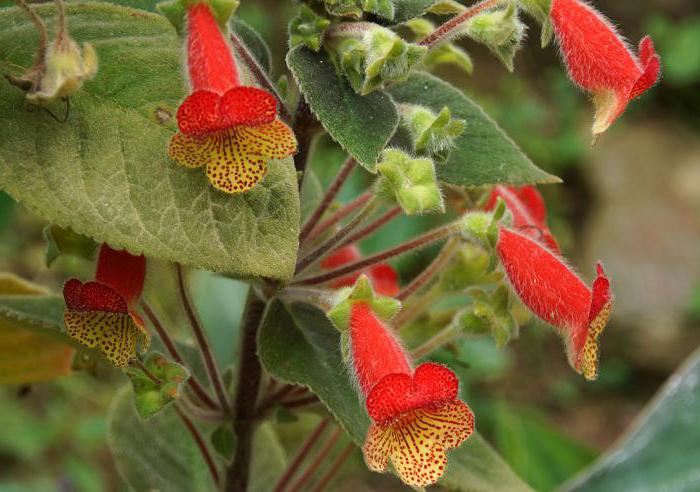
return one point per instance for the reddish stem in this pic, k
(417, 243)
(203, 344)
(444, 30)
(197, 388)
(200, 444)
(435, 267)
(335, 467)
(370, 228)
(318, 461)
(301, 455)
(339, 215)
(328, 198)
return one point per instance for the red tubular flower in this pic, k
(558, 296)
(528, 210)
(100, 314)
(384, 277)
(231, 129)
(599, 60)
(416, 416)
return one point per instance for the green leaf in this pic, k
(223, 441)
(254, 42)
(156, 455)
(362, 125)
(32, 347)
(660, 450)
(483, 154)
(537, 450)
(299, 344)
(269, 460)
(60, 241)
(105, 173)
(476, 467)
(151, 397)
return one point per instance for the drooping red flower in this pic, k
(599, 60)
(101, 314)
(384, 277)
(528, 209)
(230, 129)
(552, 291)
(416, 416)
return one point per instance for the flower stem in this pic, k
(199, 413)
(416, 307)
(305, 128)
(203, 343)
(447, 29)
(417, 243)
(301, 455)
(435, 267)
(199, 440)
(258, 72)
(319, 297)
(196, 387)
(332, 241)
(328, 198)
(444, 336)
(247, 392)
(335, 467)
(318, 461)
(338, 216)
(370, 228)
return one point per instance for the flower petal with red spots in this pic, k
(199, 113)
(93, 296)
(247, 106)
(396, 394)
(417, 441)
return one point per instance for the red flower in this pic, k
(599, 60)
(231, 129)
(528, 210)
(100, 314)
(558, 296)
(416, 416)
(384, 277)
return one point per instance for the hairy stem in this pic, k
(301, 455)
(332, 241)
(339, 215)
(196, 387)
(203, 344)
(444, 31)
(249, 379)
(370, 228)
(435, 267)
(417, 243)
(305, 128)
(416, 307)
(328, 198)
(201, 444)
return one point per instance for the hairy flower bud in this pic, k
(499, 30)
(433, 134)
(411, 182)
(446, 53)
(307, 28)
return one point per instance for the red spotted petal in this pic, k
(93, 296)
(122, 271)
(199, 113)
(395, 394)
(416, 441)
(247, 106)
(588, 355)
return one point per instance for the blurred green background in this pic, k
(633, 202)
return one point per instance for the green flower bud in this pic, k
(446, 7)
(150, 397)
(383, 8)
(351, 54)
(500, 30)
(446, 53)
(344, 8)
(489, 313)
(307, 28)
(469, 267)
(411, 182)
(432, 134)
(389, 58)
(384, 307)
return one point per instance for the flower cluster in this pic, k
(230, 129)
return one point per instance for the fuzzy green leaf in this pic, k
(408, 9)
(362, 125)
(299, 344)
(105, 173)
(483, 154)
